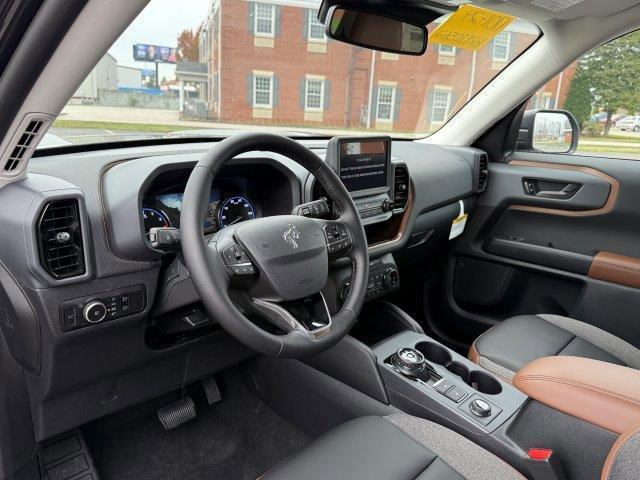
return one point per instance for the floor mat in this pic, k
(237, 438)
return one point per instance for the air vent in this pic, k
(483, 172)
(400, 187)
(60, 237)
(24, 143)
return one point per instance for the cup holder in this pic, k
(434, 353)
(476, 379)
(460, 370)
(484, 383)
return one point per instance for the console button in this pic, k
(456, 394)
(69, 317)
(480, 408)
(442, 385)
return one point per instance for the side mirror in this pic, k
(375, 31)
(548, 131)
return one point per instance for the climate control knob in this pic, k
(94, 312)
(391, 277)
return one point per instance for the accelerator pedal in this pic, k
(177, 413)
(211, 389)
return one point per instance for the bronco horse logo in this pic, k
(292, 236)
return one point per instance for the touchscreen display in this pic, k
(363, 164)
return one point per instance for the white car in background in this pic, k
(631, 123)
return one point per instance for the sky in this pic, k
(159, 23)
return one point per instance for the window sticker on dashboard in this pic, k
(457, 226)
(471, 27)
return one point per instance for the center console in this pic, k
(421, 374)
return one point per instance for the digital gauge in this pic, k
(235, 210)
(153, 217)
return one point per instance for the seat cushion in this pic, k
(510, 345)
(399, 447)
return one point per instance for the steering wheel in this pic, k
(274, 268)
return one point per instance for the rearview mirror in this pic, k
(375, 31)
(548, 131)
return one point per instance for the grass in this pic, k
(608, 149)
(131, 127)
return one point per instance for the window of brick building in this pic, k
(314, 95)
(501, 46)
(386, 100)
(446, 50)
(265, 19)
(263, 91)
(440, 106)
(316, 29)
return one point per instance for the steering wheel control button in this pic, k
(165, 238)
(409, 361)
(391, 278)
(94, 312)
(317, 209)
(480, 408)
(238, 261)
(456, 394)
(337, 236)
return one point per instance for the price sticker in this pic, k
(471, 27)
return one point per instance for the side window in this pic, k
(386, 102)
(446, 50)
(263, 91)
(265, 19)
(440, 106)
(315, 29)
(501, 46)
(603, 101)
(314, 96)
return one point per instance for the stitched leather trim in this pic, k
(615, 450)
(615, 268)
(600, 393)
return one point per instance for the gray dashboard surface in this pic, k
(439, 176)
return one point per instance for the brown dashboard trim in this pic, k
(616, 268)
(606, 208)
(396, 228)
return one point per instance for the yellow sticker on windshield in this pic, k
(471, 27)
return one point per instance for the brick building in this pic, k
(317, 80)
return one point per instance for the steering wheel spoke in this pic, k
(309, 316)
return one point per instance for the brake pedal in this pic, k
(177, 413)
(211, 389)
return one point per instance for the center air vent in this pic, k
(483, 172)
(60, 239)
(400, 187)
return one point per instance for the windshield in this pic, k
(215, 68)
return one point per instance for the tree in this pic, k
(578, 100)
(613, 72)
(189, 44)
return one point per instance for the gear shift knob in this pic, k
(409, 361)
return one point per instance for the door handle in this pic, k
(552, 189)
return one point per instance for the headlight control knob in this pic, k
(94, 312)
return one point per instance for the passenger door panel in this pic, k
(526, 253)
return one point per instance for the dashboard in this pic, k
(150, 316)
